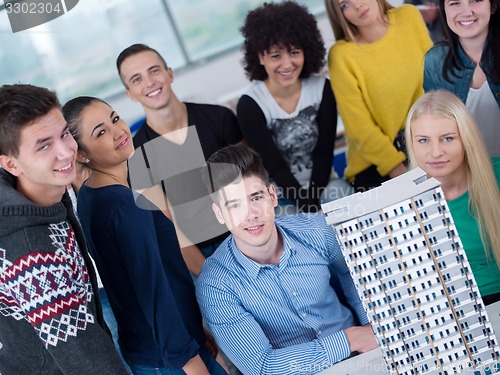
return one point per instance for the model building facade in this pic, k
(413, 277)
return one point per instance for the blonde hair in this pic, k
(484, 196)
(343, 29)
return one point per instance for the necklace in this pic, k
(99, 179)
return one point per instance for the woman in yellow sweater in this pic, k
(376, 72)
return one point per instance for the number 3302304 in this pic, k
(33, 8)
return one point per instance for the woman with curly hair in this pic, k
(289, 114)
(467, 63)
(444, 140)
(376, 66)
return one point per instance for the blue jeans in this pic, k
(213, 367)
(109, 318)
(208, 250)
(335, 189)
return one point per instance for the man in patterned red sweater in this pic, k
(50, 318)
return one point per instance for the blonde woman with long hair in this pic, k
(376, 70)
(443, 139)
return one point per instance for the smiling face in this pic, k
(247, 209)
(105, 138)
(46, 160)
(469, 19)
(361, 13)
(438, 147)
(283, 66)
(147, 79)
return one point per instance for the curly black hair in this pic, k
(287, 25)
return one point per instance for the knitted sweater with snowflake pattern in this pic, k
(50, 319)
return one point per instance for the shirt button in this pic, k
(294, 294)
(320, 332)
(304, 315)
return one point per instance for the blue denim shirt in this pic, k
(433, 76)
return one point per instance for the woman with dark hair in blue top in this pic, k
(136, 251)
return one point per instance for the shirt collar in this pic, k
(468, 62)
(251, 267)
(465, 59)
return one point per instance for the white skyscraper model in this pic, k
(413, 277)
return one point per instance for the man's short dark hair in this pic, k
(132, 50)
(20, 106)
(225, 166)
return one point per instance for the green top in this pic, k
(486, 271)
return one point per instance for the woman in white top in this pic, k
(467, 63)
(289, 114)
